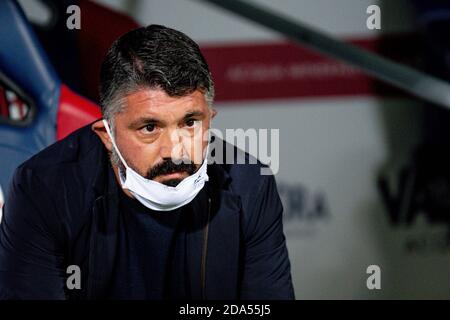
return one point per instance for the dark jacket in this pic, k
(62, 209)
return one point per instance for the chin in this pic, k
(171, 182)
(172, 179)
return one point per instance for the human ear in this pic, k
(99, 128)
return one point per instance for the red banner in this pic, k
(285, 70)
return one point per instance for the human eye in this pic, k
(149, 128)
(192, 123)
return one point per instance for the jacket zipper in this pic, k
(204, 252)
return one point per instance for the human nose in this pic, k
(171, 147)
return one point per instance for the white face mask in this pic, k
(155, 195)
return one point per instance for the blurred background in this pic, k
(364, 171)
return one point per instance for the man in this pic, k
(128, 208)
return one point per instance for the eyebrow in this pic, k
(191, 114)
(146, 120)
(142, 121)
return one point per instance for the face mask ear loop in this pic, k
(114, 143)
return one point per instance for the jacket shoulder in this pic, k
(245, 171)
(68, 150)
(63, 170)
(248, 178)
(62, 174)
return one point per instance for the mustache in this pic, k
(169, 166)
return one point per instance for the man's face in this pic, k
(155, 132)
